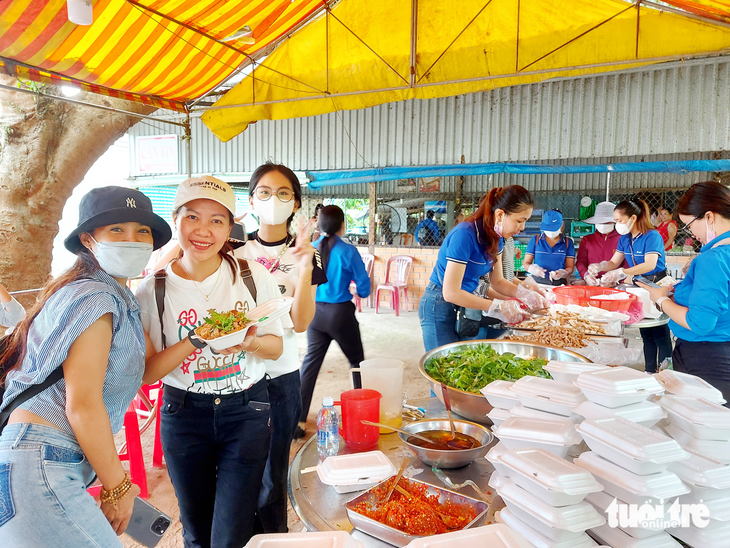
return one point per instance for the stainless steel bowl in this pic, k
(448, 458)
(475, 406)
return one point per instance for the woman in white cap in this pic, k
(80, 358)
(599, 246)
(215, 412)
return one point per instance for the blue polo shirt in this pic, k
(636, 249)
(551, 258)
(705, 290)
(465, 244)
(428, 239)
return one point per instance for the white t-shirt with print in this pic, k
(185, 307)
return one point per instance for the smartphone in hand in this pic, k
(147, 524)
(644, 281)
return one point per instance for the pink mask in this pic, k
(710, 233)
(498, 229)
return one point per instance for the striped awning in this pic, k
(167, 52)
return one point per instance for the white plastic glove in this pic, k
(590, 279)
(613, 277)
(536, 270)
(595, 268)
(558, 274)
(508, 311)
(532, 299)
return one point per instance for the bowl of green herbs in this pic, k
(467, 367)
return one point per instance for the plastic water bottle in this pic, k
(328, 436)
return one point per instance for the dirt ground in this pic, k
(383, 336)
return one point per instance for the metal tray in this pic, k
(399, 538)
(593, 336)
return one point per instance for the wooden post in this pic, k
(372, 212)
(459, 188)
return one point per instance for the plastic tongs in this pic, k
(456, 486)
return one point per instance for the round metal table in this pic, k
(322, 509)
(651, 322)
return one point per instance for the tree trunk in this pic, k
(46, 148)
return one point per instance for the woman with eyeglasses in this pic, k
(275, 196)
(643, 249)
(699, 311)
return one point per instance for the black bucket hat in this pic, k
(115, 204)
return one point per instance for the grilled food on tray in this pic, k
(219, 324)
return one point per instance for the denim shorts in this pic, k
(43, 499)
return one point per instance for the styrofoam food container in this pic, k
(617, 386)
(645, 413)
(714, 535)
(494, 457)
(356, 471)
(539, 540)
(700, 417)
(260, 316)
(498, 416)
(569, 371)
(495, 535)
(719, 450)
(630, 445)
(708, 478)
(548, 395)
(556, 437)
(689, 386)
(328, 539)
(558, 524)
(719, 508)
(499, 395)
(550, 478)
(613, 536)
(520, 410)
(629, 487)
(602, 501)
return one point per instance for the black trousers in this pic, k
(708, 360)
(332, 322)
(657, 346)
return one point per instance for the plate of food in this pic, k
(223, 330)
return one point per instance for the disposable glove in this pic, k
(595, 268)
(531, 299)
(536, 270)
(507, 311)
(613, 277)
(558, 274)
(590, 279)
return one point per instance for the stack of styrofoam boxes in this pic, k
(628, 458)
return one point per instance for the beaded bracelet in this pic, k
(118, 493)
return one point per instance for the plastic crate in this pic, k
(579, 229)
(581, 296)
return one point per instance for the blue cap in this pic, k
(551, 220)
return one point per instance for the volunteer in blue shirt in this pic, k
(699, 312)
(550, 256)
(472, 249)
(334, 316)
(427, 231)
(643, 249)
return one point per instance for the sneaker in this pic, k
(299, 433)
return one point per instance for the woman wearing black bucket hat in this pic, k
(80, 358)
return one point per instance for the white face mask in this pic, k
(551, 233)
(122, 259)
(622, 228)
(605, 228)
(273, 211)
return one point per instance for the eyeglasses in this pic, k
(263, 193)
(692, 221)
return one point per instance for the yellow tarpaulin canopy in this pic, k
(364, 53)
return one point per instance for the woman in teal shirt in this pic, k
(699, 312)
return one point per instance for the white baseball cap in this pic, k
(603, 214)
(205, 187)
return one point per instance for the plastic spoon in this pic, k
(422, 438)
(447, 403)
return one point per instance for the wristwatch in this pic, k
(660, 300)
(197, 341)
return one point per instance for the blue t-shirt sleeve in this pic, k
(623, 244)
(459, 245)
(708, 299)
(654, 243)
(359, 274)
(571, 249)
(531, 245)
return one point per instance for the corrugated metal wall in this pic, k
(678, 109)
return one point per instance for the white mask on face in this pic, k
(622, 228)
(273, 211)
(605, 228)
(122, 259)
(551, 233)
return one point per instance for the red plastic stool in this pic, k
(147, 403)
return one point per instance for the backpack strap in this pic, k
(160, 277)
(248, 278)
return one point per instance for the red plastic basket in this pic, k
(583, 296)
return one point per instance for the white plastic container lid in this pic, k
(616, 537)
(520, 410)
(550, 472)
(499, 395)
(629, 487)
(699, 411)
(619, 381)
(569, 371)
(538, 430)
(496, 535)
(356, 468)
(719, 508)
(603, 501)
(328, 539)
(690, 386)
(498, 416)
(719, 450)
(702, 470)
(575, 518)
(537, 539)
(494, 457)
(714, 535)
(644, 412)
(633, 440)
(548, 395)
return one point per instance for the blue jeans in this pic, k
(43, 498)
(437, 317)
(286, 405)
(216, 448)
